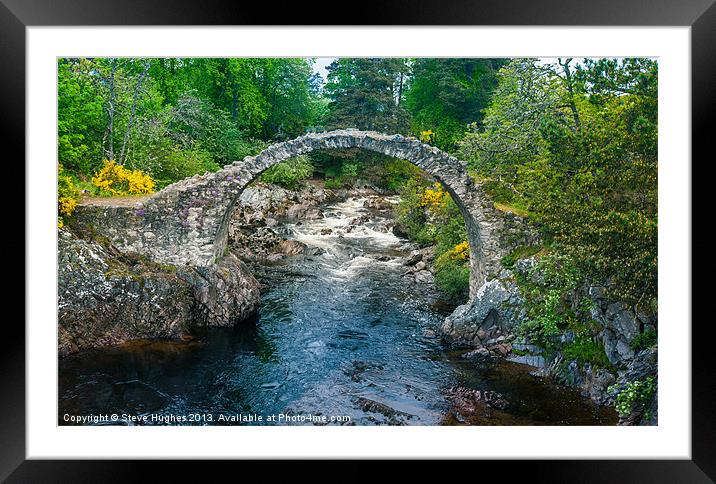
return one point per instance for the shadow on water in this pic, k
(344, 333)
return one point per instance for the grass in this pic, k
(504, 207)
(647, 339)
(521, 252)
(586, 350)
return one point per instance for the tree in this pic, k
(367, 94)
(447, 94)
(576, 144)
(80, 116)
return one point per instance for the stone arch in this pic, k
(187, 222)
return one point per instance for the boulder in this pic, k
(414, 257)
(424, 277)
(106, 297)
(104, 300)
(224, 294)
(291, 247)
(496, 307)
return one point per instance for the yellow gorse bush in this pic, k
(67, 205)
(67, 195)
(461, 251)
(426, 136)
(118, 180)
(434, 198)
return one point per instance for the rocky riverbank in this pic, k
(488, 327)
(107, 297)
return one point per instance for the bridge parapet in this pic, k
(187, 222)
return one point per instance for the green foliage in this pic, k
(635, 395)
(80, 117)
(551, 293)
(586, 350)
(289, 173)
(367, 94)
(179, 164)
(644, 340)
(452, 272)
(68, 195)
(428, 215)
(445, 95)
(521, 252)
(173, 118)
(575, 144)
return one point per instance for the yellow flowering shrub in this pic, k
(118, 180)
(67, 195)
(452, 271)
(67, 205)
(426, 136)
(434, 198)
(461, 251)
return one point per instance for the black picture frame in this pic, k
(16, 15)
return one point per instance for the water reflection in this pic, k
(339, 333)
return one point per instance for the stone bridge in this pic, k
(187, 222)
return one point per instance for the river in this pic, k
(342, 337)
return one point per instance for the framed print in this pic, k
(418, 233)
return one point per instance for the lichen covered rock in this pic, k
(223, 294)
(106, 297)
(103, 300)
(496, 308)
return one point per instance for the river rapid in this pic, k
(343, 336)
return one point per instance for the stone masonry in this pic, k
(187, 223)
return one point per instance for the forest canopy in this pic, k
(571, 144)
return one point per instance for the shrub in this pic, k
(289, 173)
(179, 164)
(550, 304)
(434, 198)
(635, 394)
(521, 252)
(67, 195)
(396, 173)
(428, 215)
(644, 340)
(452, 271)
(586, 350)
(117, 180)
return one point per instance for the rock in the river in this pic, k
(103, 300)
(496, 303)
(291, 247)
(414, 257)
(106, 297)
(378, 203)
(224, 294)
(424, 277)
(296, 211)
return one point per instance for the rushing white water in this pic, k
(344, 333)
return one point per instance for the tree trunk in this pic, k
(123, 153)
(570, 90)
(111, 110)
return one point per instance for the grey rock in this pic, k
(106, 297)
(537, 361)
(414, 257)
(496, 308)
(424, 277)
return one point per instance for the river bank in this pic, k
(344, 329)
(272, 233)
